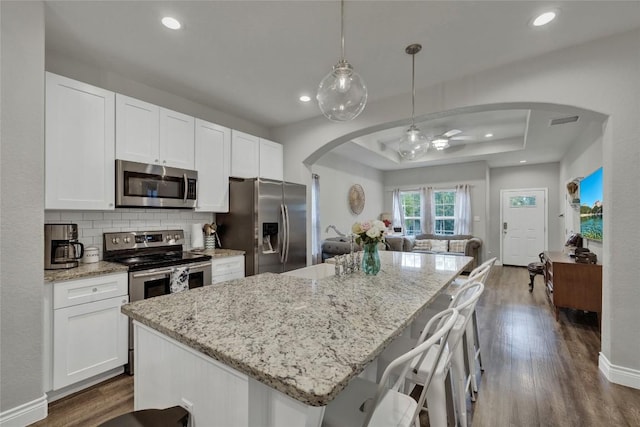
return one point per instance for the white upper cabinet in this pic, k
(137, 130)
(176, 139)
(271, 166)
(245, 155)
(147, 133)
(79, 145)
(213, 161)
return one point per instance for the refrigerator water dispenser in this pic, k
(269, 237)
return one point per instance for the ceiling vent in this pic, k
(563, 120)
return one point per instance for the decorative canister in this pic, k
(91, 254)
(210, 242)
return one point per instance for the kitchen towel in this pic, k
(179, 279)
(197, 240)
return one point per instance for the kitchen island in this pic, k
(271, 349)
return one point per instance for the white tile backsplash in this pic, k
(92, 224)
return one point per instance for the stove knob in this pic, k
(127, 239)
(176, 236)
(168, 238)
(115, 240)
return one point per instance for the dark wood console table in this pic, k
(573, 285)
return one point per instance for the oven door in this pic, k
(152, 283)
(141, 184)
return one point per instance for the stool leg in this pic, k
(532, 276)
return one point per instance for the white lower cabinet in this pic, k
(227, 268)
(90, 334)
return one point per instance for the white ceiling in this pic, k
(253, 59)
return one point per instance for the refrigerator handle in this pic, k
(286, 215)
(283, 217)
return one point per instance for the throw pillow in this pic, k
(457, 245)
(439, 245)
(422, 245)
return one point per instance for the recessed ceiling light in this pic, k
(171, 23)
(488, 135)
(523, 161)
(305, 98)
(544, 19)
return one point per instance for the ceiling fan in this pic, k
(440, 142)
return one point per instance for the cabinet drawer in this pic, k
(74, 292)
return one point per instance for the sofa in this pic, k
(463, 245)
(456, 244)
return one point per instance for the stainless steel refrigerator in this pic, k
(268, 220)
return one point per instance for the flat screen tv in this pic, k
(591, 206)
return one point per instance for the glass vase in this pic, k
(371, 259)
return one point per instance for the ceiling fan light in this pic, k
(342, 94)
(413, 144)
(440, 143)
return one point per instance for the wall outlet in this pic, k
(476, 219)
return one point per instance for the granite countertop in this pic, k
(222, 253)
(304, 337)
(84, 270)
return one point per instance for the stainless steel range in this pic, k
(153, 257)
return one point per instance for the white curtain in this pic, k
(427, 210)
(463, 210)
(316, 243)
(398, 212)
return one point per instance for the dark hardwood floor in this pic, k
(538, 372)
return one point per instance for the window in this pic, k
(444, 204)
(411, 208)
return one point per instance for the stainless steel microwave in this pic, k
(147, 185)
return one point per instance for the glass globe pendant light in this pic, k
(342, 94)
(413, 143)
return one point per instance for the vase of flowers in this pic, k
(369, 234)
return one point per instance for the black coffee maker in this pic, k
(61, 246)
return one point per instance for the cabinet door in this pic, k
(213, 161)
(89, 339)
(79, 145)
(176, 139)
(137, 130)
(245, 155)
(271, 166)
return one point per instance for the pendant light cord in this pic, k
(413, 88)
(342, 28)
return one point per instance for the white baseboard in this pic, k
(619, 374)
(25, 414)
(79, 386)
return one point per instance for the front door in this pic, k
(523, 225)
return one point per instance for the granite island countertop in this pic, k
(304, 337)
(82, 271)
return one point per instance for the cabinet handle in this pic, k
(157, 160)
(124, 301)
(164, 162)
(95, 289)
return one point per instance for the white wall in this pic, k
(445, 177)
(545, 175)
(112, 81)
(337, 175)
(21, 206)
(601, 76)
(580, 160)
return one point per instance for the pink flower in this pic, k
(366, 226)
